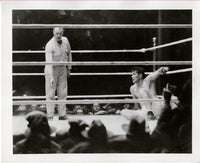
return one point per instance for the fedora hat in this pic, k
(134, 128)
(38, 122)
(96, 130)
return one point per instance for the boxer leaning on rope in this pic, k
(143, 88)
(57, 50)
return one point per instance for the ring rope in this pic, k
(169, 44)
(83, 51)
(113, 101)
(113, 63)
(102, 63)
(99, 26)
(143, 50)
(75, 74)
(74, 97)
(179, 71)
(102, 73)
(77, 97)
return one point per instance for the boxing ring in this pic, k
(112, 122)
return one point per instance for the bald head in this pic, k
(56, 29)
(58, 33)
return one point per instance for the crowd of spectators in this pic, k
(76, 109)
(172, 133)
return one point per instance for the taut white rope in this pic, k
(82, 51)
(76, 74)
(179, 71)
(102, 73)
(113, 63)
(143, 50)
(99, 26)
(78, 97)
(113, 101)
(169, 44)
(74, 97)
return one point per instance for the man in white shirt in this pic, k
(57, 50)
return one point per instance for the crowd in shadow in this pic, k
(172, 133)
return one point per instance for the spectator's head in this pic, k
(137, 74)
(85, 109)
(76, 126)
(150, 116)
(80, 111)
(38, 123)
(97, 132)
(126, 106)
(135, 128)
(42, 108)
(96, 107)
(77, 109)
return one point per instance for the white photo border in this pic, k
(6, 75)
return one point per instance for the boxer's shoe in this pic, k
(63, 117)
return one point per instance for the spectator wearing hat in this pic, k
(73, 136)
(37, 138)
(97, 136)
(136, 139)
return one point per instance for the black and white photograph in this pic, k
(102, 81)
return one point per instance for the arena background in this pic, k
(101, 39)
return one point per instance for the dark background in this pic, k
(101, 39)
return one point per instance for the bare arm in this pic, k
(156, 74)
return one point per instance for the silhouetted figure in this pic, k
(173, 133)
(97, 140)
(37, 136)
(136, 139)
(73, 136)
